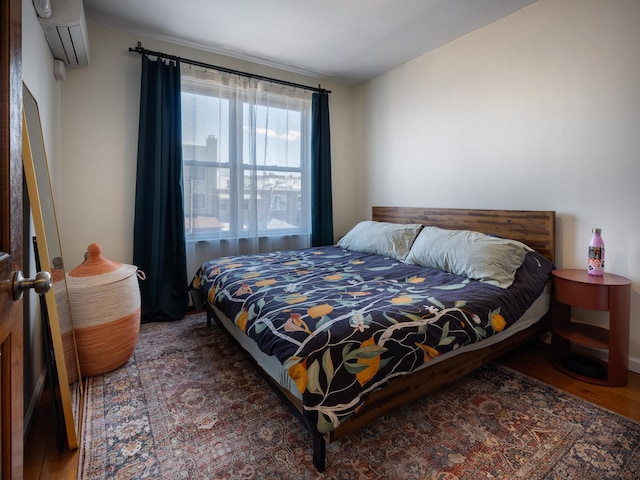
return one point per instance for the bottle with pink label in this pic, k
(596, 254)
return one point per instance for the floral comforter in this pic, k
(344, 323)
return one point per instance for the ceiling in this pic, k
(348, 41)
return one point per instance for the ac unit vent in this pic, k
(66, 32)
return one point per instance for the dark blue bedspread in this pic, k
(345, 323)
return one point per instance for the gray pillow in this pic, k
(472, 254)
(381, 238)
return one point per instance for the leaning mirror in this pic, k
(49, 254)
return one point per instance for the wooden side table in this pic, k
(610, 293)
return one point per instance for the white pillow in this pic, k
(381, 238)
(472, 254)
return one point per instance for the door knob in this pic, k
(41, 284)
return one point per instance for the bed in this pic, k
(404, 304)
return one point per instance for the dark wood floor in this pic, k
(43, 461)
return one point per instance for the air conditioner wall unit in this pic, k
(66, 32)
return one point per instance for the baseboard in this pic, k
(634, 365)
(33, 404)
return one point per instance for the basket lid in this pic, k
(97, 270)
(95, 264)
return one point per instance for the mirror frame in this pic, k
(37, 188)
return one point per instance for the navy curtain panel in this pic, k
(321, 202)
(158, 234)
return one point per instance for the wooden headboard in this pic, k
(532, 227)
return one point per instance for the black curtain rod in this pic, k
(140, 50)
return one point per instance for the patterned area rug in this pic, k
(189, 405)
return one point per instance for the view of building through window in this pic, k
(245, 164)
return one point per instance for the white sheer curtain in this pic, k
(246, 165)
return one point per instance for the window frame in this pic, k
(237, 167)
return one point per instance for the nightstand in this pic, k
(609, 293)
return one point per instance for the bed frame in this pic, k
(535, 228)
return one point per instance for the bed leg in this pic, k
(319, 452)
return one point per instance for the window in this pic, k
(246, 154)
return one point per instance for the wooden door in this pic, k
(11, 242)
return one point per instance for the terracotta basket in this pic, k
(105, 309)
(66, 330)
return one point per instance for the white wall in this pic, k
(99, 141)
(539, 110)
